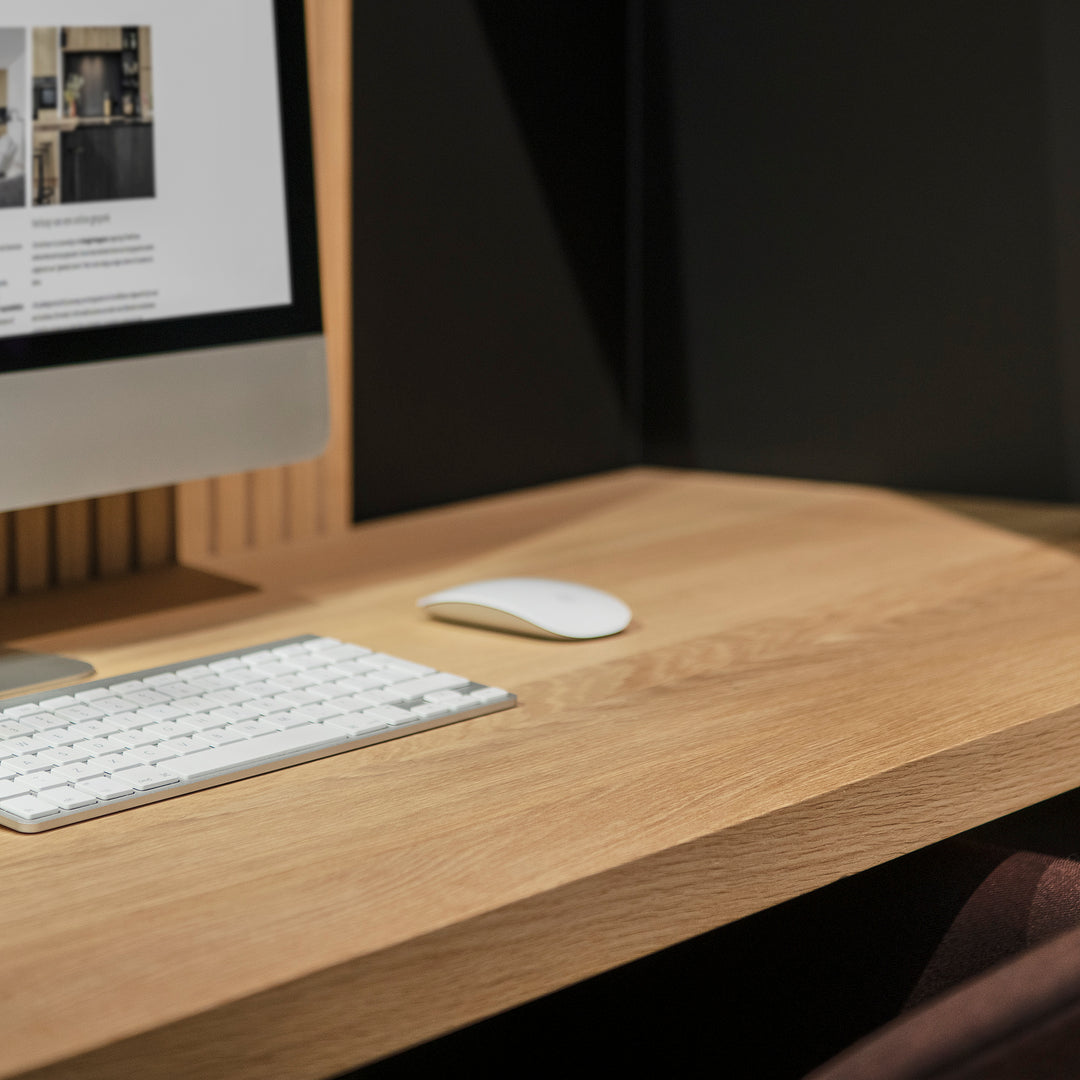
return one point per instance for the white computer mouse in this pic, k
(540, 607)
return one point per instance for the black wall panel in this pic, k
(488, 254)
(869, 256)
(797, 237)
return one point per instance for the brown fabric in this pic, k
(1020, 1021)
(1026, 900)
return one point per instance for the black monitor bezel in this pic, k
(156, 336)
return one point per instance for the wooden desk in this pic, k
(818, 678)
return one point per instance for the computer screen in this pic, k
(159, 291)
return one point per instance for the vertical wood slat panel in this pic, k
(117, 534)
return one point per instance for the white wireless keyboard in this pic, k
(122, 742)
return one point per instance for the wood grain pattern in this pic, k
(817, 678)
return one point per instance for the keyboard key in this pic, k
(154, 713)
(218, 736)
(487, 694)
(130, 740)
(80, 711)
(93, 747)
(91, 729)
(408, 666)
(389, 714)
(27, 763)
(446, 697)
(156, 682)
(186, 745)
(115, 703)
(17, 711)
(103, 787)
(78, 770)
(24, 744)
(204, 721)
(143, 777)
(251, 728)
(443, 680)
(387, 695)
(54, 703)
(345, 652)
(355, 724)
(60, 755)
(67, 798)
(290, 650)
(231, 714)
(249, 752)
(146, 697)
(91, 695)
(44, 781)
(42, 722)
(28, 807)
(108, 762)
(233, 663)
(57, 737)
(148, 755)
(193, 671)
(11, 788)
(431, 709)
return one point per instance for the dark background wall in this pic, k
(490, 247)
(799, 237)
(864, 204)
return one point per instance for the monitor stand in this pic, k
(25, 672)
(64, 612)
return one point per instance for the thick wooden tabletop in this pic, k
(818, 678)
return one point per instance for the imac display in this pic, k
(159, 293)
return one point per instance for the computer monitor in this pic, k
(159, 291)
(160, 314)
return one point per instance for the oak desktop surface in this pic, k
(817, 678)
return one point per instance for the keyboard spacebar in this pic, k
(256, 751)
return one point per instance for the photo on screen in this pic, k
(93, 114)
(12, 117)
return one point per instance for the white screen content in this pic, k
(141, 172)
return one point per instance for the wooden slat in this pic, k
(114, 535)
(155, 528)
(72, 524)
(193, 518)
(330, 62)
(33, 549)
(230, 503)
(302, 503)
(267, 507)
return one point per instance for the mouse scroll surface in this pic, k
(539, 607)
